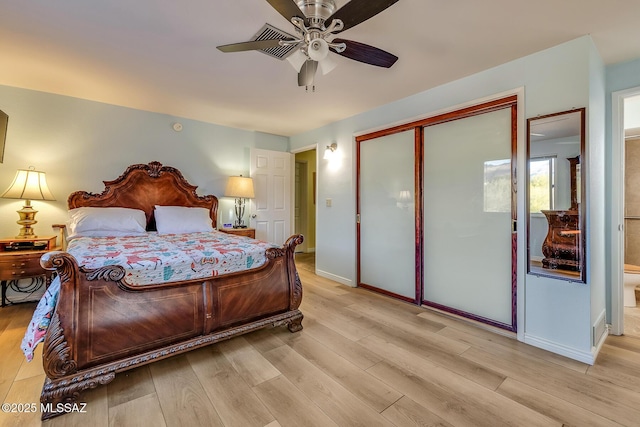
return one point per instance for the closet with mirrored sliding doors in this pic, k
(436, 208)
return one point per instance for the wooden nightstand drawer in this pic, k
(20, 266)
(23, 264)
(247, 232)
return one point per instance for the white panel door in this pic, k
(271, 173)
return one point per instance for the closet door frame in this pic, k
(418, 127)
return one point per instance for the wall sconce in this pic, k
(241, 188)
(28, 185)
(329, 152)
(404, 199)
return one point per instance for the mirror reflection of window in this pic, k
(541, 184)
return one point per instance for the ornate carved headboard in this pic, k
(144, 186)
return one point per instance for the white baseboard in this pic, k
(335, 278)
(588, 357)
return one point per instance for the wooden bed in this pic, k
(103, 325)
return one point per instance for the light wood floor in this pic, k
(361, 360)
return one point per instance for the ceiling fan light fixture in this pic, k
(327, 65)
(318, 49)
(297, 59)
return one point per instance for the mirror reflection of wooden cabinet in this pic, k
(556, 233)
(561, 247)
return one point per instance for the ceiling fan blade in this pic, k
(358, 11)
(367, 54)
(287, 8)
(307, 73)
(251, 45)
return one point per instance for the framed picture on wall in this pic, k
(4, 120)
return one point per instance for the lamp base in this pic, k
(27, 219)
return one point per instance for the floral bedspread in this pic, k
(152, 259)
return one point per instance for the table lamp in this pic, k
(241, 188)
(28, 185)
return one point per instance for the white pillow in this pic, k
(181, 219)
(100, 222)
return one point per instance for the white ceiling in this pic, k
(160, 55)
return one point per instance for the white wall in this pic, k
(80, 143)
(552, 314)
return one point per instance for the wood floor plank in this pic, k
(486, 401)
(411, 329)
(396, 316)
(10, 340)
(33, 368)
(558, 409)
(345, 347)
(247, 361)
(290, 407)
(350, 320)
(611, 402)
(435, 353)
(97, 411)
(619, 366)
(140, 412)
(367, 388)
(628, 342)
(267, 339)
(130, 385)
(25, 393)
(480, 337)
(182, 398)
(406, 412)
(336, 322)
(232, 398)
(337, 402)
(453, 407)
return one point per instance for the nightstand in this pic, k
(24, 264)
(247, 232)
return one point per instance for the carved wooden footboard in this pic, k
(102, 325)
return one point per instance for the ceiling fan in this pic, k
(316, 23)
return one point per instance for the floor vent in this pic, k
(269, 32)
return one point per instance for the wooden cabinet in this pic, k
(247, 232)
(23, 263)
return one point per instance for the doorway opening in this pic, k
(625, 244)
(631, 228)
(304, 207)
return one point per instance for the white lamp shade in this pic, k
(29, 185)
(327, 65)
(318, 49)
(297, 59)
(239, 186)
